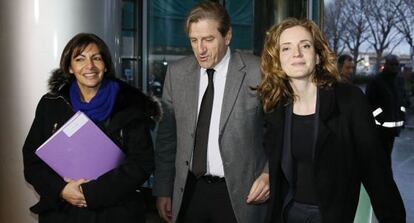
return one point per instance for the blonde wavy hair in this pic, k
(275, 86)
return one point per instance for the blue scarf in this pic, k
(100, 106)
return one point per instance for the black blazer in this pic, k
(347, 152)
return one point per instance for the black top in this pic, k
(302, 150)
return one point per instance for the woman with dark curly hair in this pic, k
(320, 135)
(85, 81)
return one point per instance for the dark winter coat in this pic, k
(386, 98)
(347, 153)
(113, 197)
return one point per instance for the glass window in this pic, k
(169, 42)
(129, 52)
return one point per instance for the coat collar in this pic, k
(128, 97)
(328, 107)
(192, 82)
(327, 103)
(234, 80)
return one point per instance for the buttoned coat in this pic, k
(240, 133)
(348, 152)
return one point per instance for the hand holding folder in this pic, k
(80, 150)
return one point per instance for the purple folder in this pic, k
(79, 149)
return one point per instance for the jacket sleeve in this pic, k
(43, 179)
(376, 173)
(372, 95)
(118, 185)
(166, 143)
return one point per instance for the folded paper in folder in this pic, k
(79, 149)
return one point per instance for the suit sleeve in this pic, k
(166, 143)
(376, 173)
(119, 184)
(43, 179)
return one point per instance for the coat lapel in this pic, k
(275, 124)
(326, 109)
(234, 80)
(280, 145)
(190, 100)
(288, 166)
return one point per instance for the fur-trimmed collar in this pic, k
(59, 81)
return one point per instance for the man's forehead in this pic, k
(204, 23)
(349, 62)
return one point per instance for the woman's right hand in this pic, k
(72, 192)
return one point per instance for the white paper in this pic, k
(75, 125)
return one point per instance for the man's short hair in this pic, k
(342, 59)
(391, 58)
(209, 10)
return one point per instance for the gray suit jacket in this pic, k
(240, 136)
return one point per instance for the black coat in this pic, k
(387, 98)
(347, 153)
(112, 197)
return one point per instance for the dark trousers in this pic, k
(302, 213)
(206, 200)
(387, 137)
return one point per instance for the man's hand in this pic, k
(260, 190)
(72, 192)
(164, 208)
